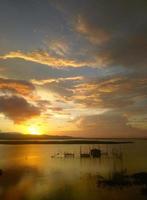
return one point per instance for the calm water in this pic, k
(30, 172)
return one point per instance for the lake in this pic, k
(40, 172)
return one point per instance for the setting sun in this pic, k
(34, 130)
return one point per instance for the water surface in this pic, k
(31, 173)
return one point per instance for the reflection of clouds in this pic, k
(16, 182)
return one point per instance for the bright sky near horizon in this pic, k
(74, 67)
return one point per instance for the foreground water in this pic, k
(31, 173)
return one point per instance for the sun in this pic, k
(32, 127)
(34, 130)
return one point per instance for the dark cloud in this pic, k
(118, 29)
(124, 29)
(94, 34)
(17, 108)
(129, 51)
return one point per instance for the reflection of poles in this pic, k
(114, 164)
(107, 150)
(89, 149)
(80, 151)
(118, 160)
(123, 169)
(110, 158)
(121, 159)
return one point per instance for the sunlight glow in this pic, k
(34, 130)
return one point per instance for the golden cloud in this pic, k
(43, 57)
(57, 80)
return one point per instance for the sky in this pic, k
(74, 67)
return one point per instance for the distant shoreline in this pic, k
(20, 142)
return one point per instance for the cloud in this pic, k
(121, 93)
(21, 87)
(17, 108)
(117, 91)
(58, 47)
(109, 124)
(62, 87)
(116, 29)
(57, 80)
(43, 57)
(125, 94)
(94, 34)
(116, 46)
(130, 51)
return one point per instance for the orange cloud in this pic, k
(21, 87)
(43, 57)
